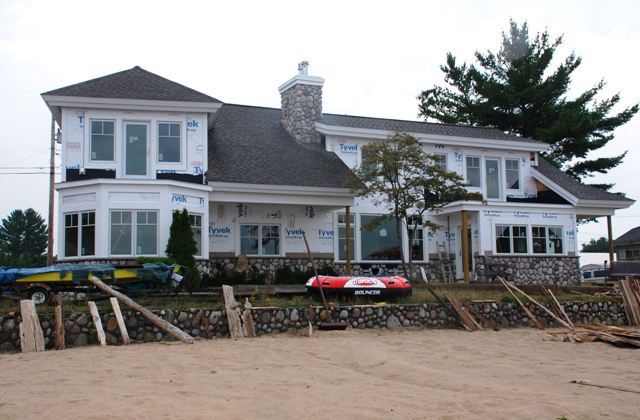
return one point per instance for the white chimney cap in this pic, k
(303, 67)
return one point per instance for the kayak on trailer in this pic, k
(380, 288)
(41, 281)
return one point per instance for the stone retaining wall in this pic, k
(560, 271)
(79, 330)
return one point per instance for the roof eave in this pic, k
(581, 202)
(57, 102)
(370, 133)
(280, 194)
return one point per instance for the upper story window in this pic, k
(513, 174)
(102, 140)
(169, 142)
(473, 171)
(440, 161)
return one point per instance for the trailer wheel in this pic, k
(38, 295)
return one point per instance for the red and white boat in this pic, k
(379, 288)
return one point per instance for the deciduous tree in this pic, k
(407, 183)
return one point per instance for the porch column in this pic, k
(610, 240)
(465, 247)
(348, 240)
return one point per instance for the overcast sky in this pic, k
(375, 57)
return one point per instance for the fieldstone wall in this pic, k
(561, 271)
(301, 107)
(79, 330)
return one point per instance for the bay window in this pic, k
(123, 236)
(196, 228)
(79, 234)
(342, 237)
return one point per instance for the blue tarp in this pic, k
(80, 272)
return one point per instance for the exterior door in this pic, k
(492, 173)
(136, 149)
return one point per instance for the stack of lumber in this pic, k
(614, 335)
(631, 296)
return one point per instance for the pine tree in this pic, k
(516, 91)
(181, 245)
(24, 239)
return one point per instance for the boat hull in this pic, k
(371, 288)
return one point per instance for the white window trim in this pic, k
(260, 224)
(513, 190)
(79, 213)
(162, 165)
(354, 253)
(134, 233)
(529, 226)
(100, 164)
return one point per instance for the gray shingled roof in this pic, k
(421, 127)
(249, 145)
(575, 188)
(135, 83)
(633, 236)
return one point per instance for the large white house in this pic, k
(136, 147)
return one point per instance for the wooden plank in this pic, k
(464, 316)
(446, 308)
(560, 308)
(541, 307)
(490, 323)
(205, 324)
(233, 313)
(121, 325)
(524, 308)
(98, 323)
(171, 329)
(59, 344)
(31, 335)
(247, 323)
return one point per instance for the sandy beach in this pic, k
(410, 374)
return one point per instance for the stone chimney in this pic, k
(301, 99)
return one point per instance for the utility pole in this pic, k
(52, 173)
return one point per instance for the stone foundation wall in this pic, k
(562, 271)
(79, 330)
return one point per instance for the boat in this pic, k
(40, 282)
(374, 288)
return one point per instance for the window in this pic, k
(372, 167)
(123, 236)
(146, 233)
(547, 239)
(267, 236)
(381, 243)
(102, 140)
(79, 234)
(416, 240)
(473, 171)
(342, 237)
(169, 142)
(440, 161)
(196, 228)
(513, 174)
(511, 239)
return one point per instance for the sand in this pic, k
(353, 374)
